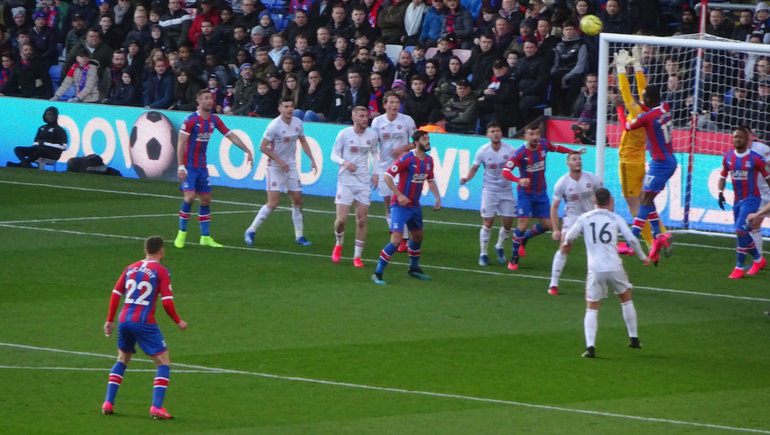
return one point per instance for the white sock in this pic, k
(263, 213)
(559, 259)
(387, 219)
(405, 232)
(340, 237)
(502, 237)
(359, 249)
(484, 236)
(590, 325)
(629, 316)
(757, 236)
(296, 217)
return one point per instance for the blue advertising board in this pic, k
(140, 143)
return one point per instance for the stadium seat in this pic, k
(272, 5)
(464, 55)
(393, 50)
(55, 73)
(42, 162)
(280, 19)
(429, 53)
(409, 48)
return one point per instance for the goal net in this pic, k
(711, 85)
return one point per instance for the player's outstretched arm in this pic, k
(469, 176)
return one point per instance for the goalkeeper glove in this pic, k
(722, 200)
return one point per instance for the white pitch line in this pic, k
(102, 369)
(99, 218)
(453, 269)
(416, 392)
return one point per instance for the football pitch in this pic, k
(281, 340)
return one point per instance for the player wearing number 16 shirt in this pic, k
(657, 124)
(600, 228)
(141, 284)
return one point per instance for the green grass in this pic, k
(289, 342)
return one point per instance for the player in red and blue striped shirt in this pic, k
(657, 124)
(142, 283)
(531, 193)
(191, 150)
(414, 169)
(742, 165)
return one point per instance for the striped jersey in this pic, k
(657, 124)
(200, 131)
(743, 169)
(531, 164)
(141, 283)
(412, 174)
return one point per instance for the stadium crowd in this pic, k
(458, 64)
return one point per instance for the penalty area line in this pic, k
(213, 370)
(447, 268)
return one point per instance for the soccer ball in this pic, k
(591, 25)
(152, 146)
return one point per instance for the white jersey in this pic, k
(358, 149)
(391, 135)
(494, 162)
(600, 228)
(283, 139)
(764, 151)
(578, 195)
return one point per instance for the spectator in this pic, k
(124, 14)
(511, 11)
(567, 73)
(50, 141)
(43, 38)
(98, 51)
(688, 23)
(497, 97)
(358, 93)
(127, 92)
(740, 107)
(391, 22)
(29, 78)
(158, 90)
(436, 123)
(762, 21)
(224, 30)
(433, 24)
(176, 22)
(418, 56)
(245, 88)
(83, 75)
(252, 12)
(208, 43)
(291, 89)
(745, 26)
(481, 60)
(461, 110)
(341, 102)
(265, 25)
(445, 89)
(5, 69)
(135, 58)
(324, 49)
(300, 25)
(413, 17)
(676, 96)
(382, 66)
(537, 9)
(103, 7)
(111, 77)
(265, 102)
(279, 47)
(315, 102)
(404, 69)
(526, 31)
(76, 34)
(586, 101)
(762, 105)
(719, 25)
(58, 17)
(614, 18)
(359, 24)
(212, 67)
(264, 65)
(503, 33)
(486, 23)
(320, 13)
(458, 22)
(140, 31)
(259, 38)
(84, 8)
(419, 104)
(185, 91)
(340, 65)
(108, 33)
(546, 40)
(532, 76)
(443, 54)
(240, 39)
(159, 40)
(186, 59)
(206, 11)
(582, 8)
(339, 25)
(376, 91)
(431, 75)
(714, 118)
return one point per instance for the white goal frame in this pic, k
(690, 41)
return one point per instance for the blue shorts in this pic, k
(197, 180)
(148, 336)
(411, 216)
(658, 174)
(742, 209)
(533, 204)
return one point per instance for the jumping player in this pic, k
(191, 148)
(496, 192)
(354, 150)
(743, 165)
(532, 196)
(141, 283)
(279, 143)
(632, 143)
(393, 131)
(600, 229)
(656, 122)
(413, 169)
(576, 188)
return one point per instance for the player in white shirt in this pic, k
(496, 191)
(394, 131)
(279, 143)
(600, 229)
(764, 191)
(354, 150)
(576, 188)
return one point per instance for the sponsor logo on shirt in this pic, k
(536, 167)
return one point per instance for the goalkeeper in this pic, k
(632, 143)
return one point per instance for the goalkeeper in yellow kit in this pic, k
(631, 151)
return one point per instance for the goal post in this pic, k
(717, 86)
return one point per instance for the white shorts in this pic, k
(502, 203)
(567, 222)
(383, 188)
(763, 202)
(597, 284)
(279, 180)
(347, 194)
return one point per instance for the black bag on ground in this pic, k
(92, 163)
